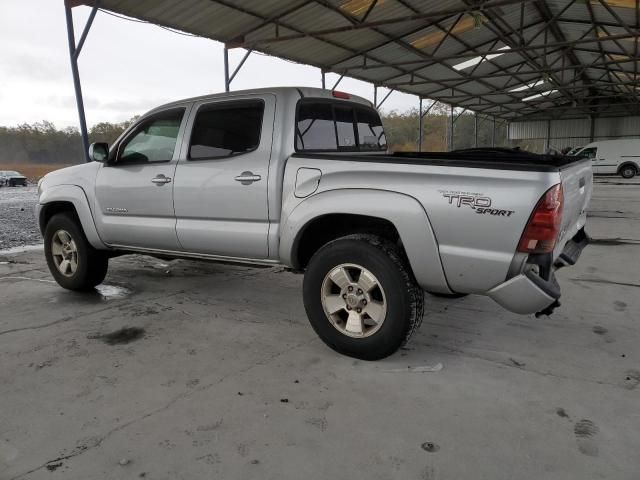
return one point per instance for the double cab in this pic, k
(302, 178)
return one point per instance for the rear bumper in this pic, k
(529, 292)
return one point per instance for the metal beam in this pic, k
(73, 57)
(451, 127)
(86, 29)
(385, 98)
(235, 72)
(226, 69)
(335, 85)
(420, 126)
(378, 23)
(475, 130)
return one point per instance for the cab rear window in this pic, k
(329, 126)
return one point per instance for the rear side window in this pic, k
(226, 129)
(316, 129)
(370, 130)
(338, 126)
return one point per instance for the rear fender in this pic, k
(76, 196)
(404, 212)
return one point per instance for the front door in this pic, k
(134, 190)
(220, 191)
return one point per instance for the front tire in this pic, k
(628, 171)
(71, 259)
(361, 298)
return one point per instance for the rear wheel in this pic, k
(71, 259)
(361, 298)
(628, 171)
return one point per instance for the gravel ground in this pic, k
(18, 226)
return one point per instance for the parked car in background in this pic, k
(301, 177)
(614, 157)
(10, 178)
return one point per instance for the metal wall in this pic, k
(571, 133)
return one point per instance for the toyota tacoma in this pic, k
(302, 178)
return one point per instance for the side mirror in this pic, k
(99, 152)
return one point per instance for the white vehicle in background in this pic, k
(614, 157)
(575, 150)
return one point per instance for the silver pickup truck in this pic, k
(301, 177)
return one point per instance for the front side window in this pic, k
(338, 126)
(226, 129)
(154, 140)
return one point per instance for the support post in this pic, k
(76, 82)
(226, 69)
(375, 96)
(547, 140)
(324, 84)
(592, 128)
(420, 124)
(493, 133)
(451, 127)
(475, 129)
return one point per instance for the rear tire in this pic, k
(371, 310)
(628, 171)
(71, 259)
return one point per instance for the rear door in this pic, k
(134, 190)
(220, 191)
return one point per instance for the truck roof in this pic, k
(296, 92)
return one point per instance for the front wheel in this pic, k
(628, 171)
(361, 298)
(72, 261)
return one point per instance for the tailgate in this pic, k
(577, 185)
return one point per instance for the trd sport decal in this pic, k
(480, 203)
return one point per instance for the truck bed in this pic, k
(489, 158)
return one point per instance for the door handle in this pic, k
(247, 178)
(161, 180)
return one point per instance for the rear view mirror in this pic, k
(99, 152)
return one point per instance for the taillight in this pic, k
(541, 232)
(339, 94)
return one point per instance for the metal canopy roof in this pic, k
(504, 58)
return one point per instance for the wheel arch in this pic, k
(628, 163)
(336, 213)
(69, 198)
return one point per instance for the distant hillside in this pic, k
(41, 143)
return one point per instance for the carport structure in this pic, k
(504, 60)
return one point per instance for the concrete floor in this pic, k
(222, 377)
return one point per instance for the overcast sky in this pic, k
(126, 67)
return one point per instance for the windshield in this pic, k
(9, 173)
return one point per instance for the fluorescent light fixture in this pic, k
(538, 95)
(477, 60)
(527, 86)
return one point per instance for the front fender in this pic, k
(76, 196)
(404, 212)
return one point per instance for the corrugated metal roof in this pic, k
(587, 51)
